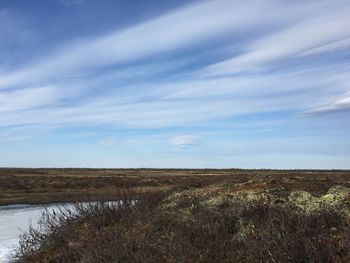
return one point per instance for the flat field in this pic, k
(184, 215)
(35, 186)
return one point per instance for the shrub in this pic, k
(149, 231)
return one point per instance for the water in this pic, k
(15, 219)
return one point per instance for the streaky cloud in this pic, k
(194, 24)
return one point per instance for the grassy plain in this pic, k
(36, 186)
(185, 215)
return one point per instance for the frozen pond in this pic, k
(14, 219)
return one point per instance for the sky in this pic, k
(175, 83)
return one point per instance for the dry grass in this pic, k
(185, 215)
(187, 230)
(69, 185)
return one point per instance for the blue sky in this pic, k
(246, 84)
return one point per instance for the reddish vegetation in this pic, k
(185, 215)
(67, 185)
(183, 228)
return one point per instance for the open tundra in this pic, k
(192, 216)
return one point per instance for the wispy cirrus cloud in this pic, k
(28, 98)
(204, 67)
(304, 37)
(339, 105)
(187, 102)
(331, 47)
(189, 26)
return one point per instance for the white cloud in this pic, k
(192, 99)
(109, 142)
(89, 86)
(194, 24)
(184, 141)
(331, 47)
(339, 105)
(73, 2)
(289, 42)
(27, 98)
(190, 102)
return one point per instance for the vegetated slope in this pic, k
(262, 220)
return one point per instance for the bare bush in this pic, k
(149, 231)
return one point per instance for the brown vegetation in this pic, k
(69, 185)
(193, 226)
(186, 215)
(232, 216)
